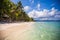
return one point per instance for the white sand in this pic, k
(14, 31)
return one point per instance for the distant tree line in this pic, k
(12, 12)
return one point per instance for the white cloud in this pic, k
(53, 11)
(26, 8)
(45, 14)
(57, 16)
(36, 14)
(38, 6)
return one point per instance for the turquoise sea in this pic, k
(44, 31)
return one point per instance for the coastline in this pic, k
(30, 31)
(17, 28)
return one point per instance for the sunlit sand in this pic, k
(14, 31)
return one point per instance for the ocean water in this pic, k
(47, 30)
(44, 31)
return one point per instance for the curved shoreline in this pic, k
(8, 29)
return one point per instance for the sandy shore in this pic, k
(12, 31)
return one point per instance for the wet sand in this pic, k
(14, 31)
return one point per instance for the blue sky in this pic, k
(41, 9)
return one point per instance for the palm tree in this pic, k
(14, 11)
(4, 7)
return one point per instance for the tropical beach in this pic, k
(30, 31)
(29, 19)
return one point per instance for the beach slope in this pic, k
(15, 31)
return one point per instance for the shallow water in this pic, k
(44, 31)
(47, 30)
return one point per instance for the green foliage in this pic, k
(14, 11)
(4, 7)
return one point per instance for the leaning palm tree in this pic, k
(4, 7)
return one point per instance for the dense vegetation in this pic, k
(12, 12)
